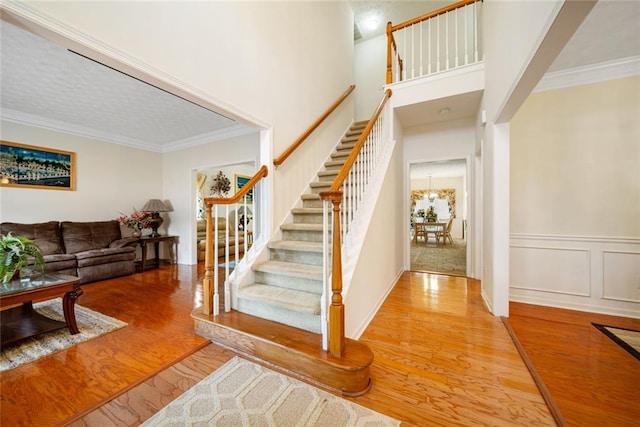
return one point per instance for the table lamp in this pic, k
(155, 206)
(242, 212)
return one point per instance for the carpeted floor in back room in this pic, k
(446, 258)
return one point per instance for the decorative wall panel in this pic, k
(621, 275)
(550, 269)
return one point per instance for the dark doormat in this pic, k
(629, 339)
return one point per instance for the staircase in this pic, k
(288, 287)
(277, 318)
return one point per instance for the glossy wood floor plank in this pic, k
(155, 304)
(594, 381)
(440, 358)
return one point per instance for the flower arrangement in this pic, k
(431, 215)
(221, 185)
(137, 221)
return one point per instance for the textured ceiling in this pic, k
(43, 83)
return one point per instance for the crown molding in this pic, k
(594, 73)
(210, 137)
(34, 120)
(22, 118)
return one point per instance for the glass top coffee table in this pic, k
(18, 318)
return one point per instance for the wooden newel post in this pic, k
(336, 309)
(207, 282)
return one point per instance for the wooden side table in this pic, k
(171, 241)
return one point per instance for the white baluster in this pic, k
(466, 35)
(413, 68)
(475, 27)
(216, 280)
(446, 39)
(325, 275)
(421, 38)
(456, 15)
(429, 47)
(438, 43)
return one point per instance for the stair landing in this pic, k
(293, 351)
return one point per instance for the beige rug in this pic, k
(90, 323)
(440, 258)
(242, 393)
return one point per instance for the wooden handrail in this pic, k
(433, 14)
(262, 172)
(282, 157)
(342, 175)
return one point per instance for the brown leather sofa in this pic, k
(90, 250)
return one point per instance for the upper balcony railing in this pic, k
(441, 40)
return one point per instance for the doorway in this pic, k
(438, 216)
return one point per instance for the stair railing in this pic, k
(349, 186)
(282, 157)
(437, 41)
(238, 228)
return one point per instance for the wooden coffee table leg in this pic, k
(68, 307)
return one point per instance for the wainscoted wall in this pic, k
(585, 273)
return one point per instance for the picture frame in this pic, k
(241, 181)
(30, 166)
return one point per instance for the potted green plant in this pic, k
(16, 253)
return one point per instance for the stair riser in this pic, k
(289, 282)
(328, 178)
(300, 257)
(314, 218)
(313, 203)
(305, 236)
(308, 322)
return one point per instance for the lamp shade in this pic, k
(155, 205)
(241, 211)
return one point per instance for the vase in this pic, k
(136, 233)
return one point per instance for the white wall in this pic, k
(110, 180)
(380, 261)
(575, 198)
(370, 64)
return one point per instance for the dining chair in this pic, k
(445, 234)
(420, 230)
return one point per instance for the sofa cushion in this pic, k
(105, 256)
(45, 234)
(86, 236)
(60, 262)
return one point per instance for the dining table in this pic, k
(423, 229)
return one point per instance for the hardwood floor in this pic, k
(440, 359)
(594, 381)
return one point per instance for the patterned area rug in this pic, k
(91, 324)
(440, 258)
(629, 339)
(242, 393)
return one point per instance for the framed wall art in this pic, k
(241, 181)
(28, 166)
